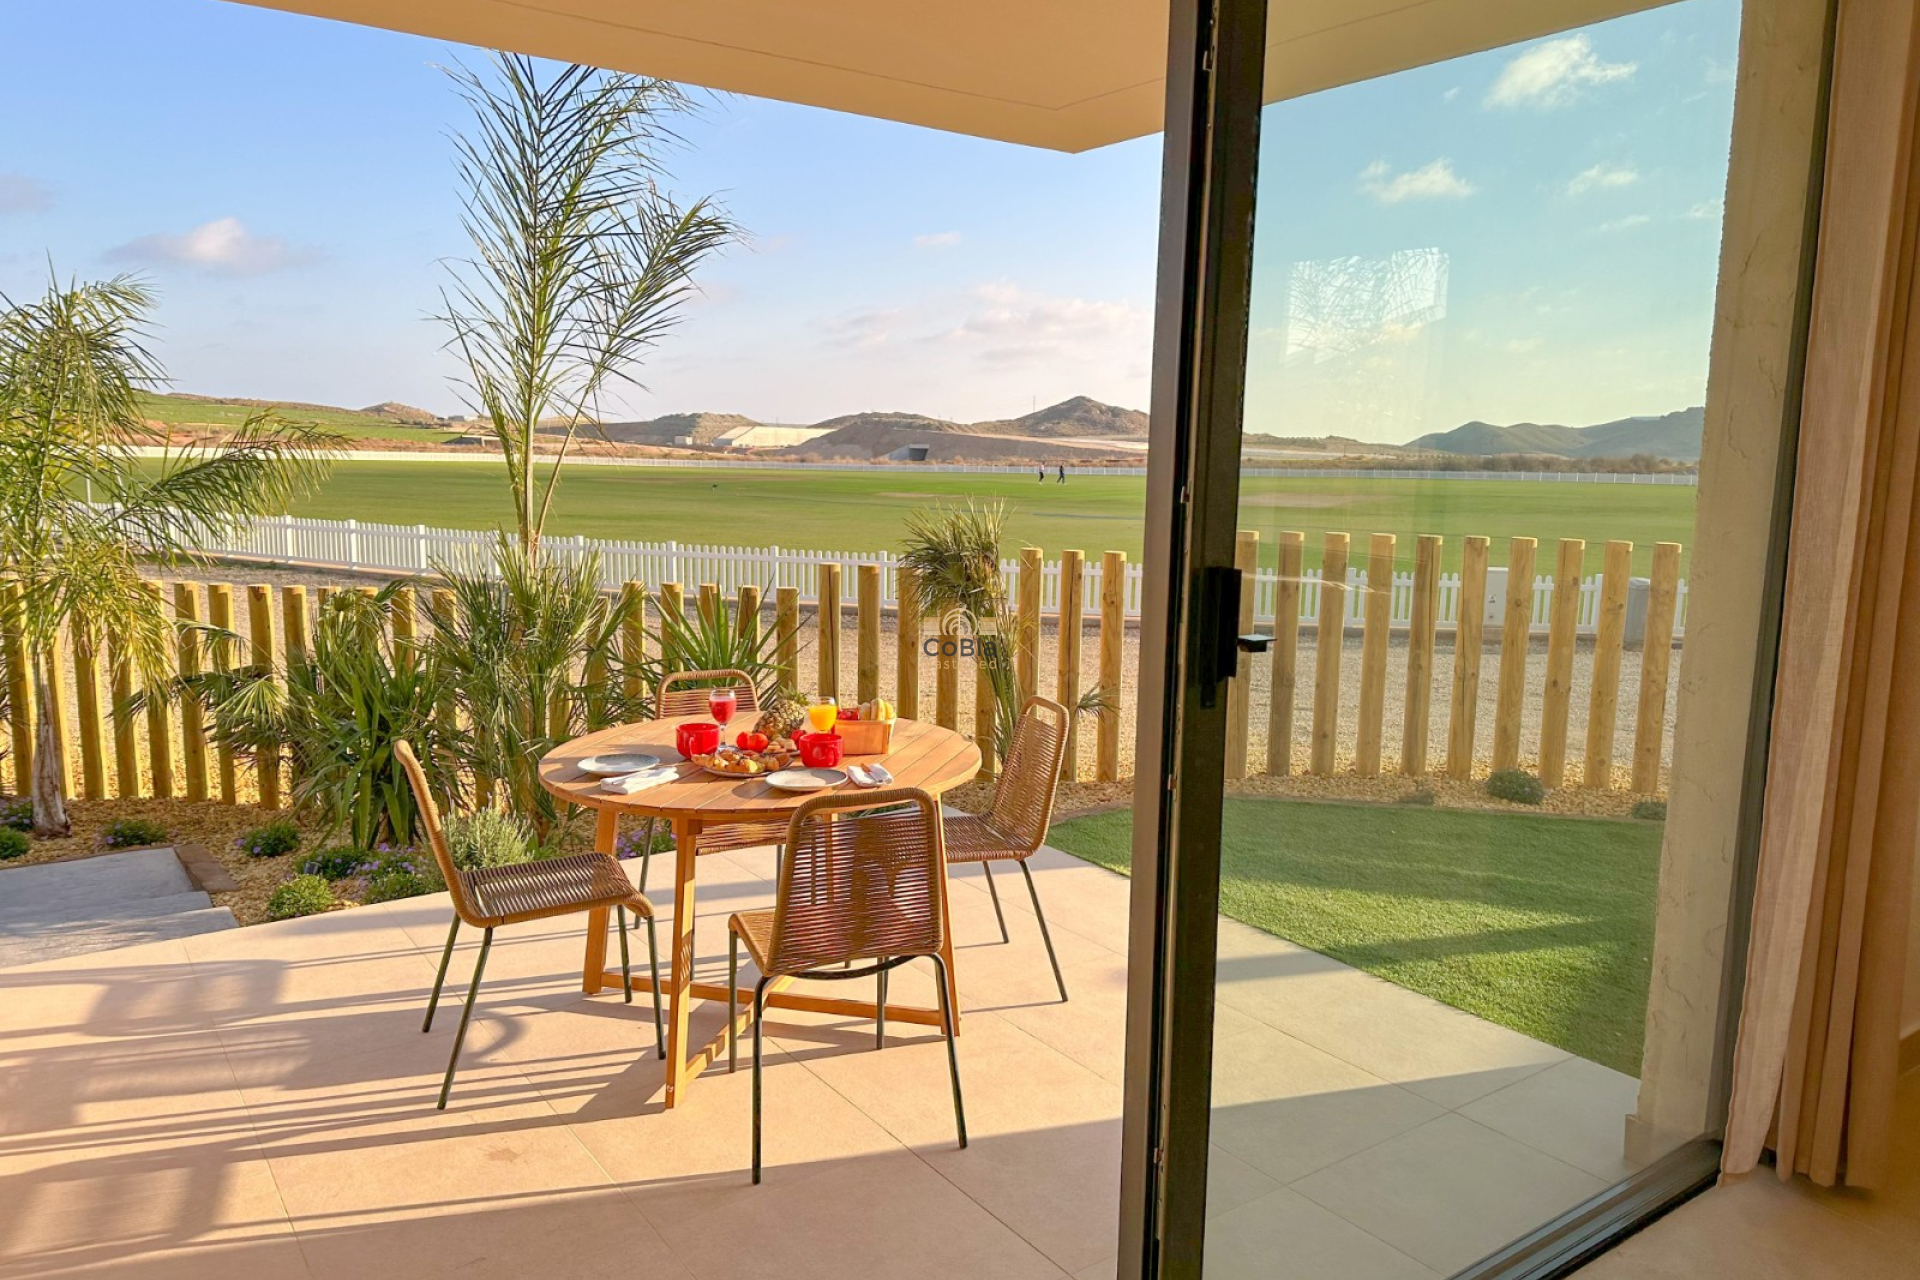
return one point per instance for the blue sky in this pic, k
(287, 183)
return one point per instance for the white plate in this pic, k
(615, 765)
(806, 779)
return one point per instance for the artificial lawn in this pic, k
(1542, 924)
(866, 510)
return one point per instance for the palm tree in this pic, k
(581, 261)
(71, 364)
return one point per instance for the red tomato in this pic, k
(849, 713)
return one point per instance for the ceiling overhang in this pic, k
(1063, 74)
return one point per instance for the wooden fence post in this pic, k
(633, 641)
(709, 603)
(828, 616)
(1656, 662)
(86, 690)
(266, 759)
(906, 658)
(1113, 648)
(867, 620)
(159, 731)
(786, 631)
(126, 746)
(1469, 630)
(1418, 729)
(1516, 629)
(1377, 620)
(1603, 703)
(193, 728)
(597, 673)
(1285, 670)
(220, 658)
(946, 683)
(1027, 619)
(403, 617)
(1066, 681)
(19, 698)
(1556, 700)
(1329, 640)
(1246, 558)
(671, 602)
(746, 612)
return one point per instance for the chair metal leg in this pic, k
(733, 1000)
(466, 1016)
(646, 851)
(440, 978)
(1045, 935)
(653, 968)
(986, 869)
(759, 1010)
(953, 1054)
(626, 966)
(880, 1018)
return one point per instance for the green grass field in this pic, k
(1541, 924)
(866, 510)
(354, 426)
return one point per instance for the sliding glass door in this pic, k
(1436, 930)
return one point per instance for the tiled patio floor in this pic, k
(260, 1103)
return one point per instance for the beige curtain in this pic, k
(1818, 1052)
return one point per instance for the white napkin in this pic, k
(629, 783)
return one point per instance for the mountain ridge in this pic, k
(1675, 435)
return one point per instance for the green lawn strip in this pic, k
(346, 422)
(866, 510)
(1542, 924)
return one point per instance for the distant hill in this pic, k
(1080, 417)
(394, 411)
(185, 412)
(1673, 435)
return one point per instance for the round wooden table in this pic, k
(924, 756)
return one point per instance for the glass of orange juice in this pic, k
(823, 713)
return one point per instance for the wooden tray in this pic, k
(865, 737)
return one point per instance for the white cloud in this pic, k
(1010, 325)
(1553, 73)
(1434, 180)
(1707, 210)
(937, 240)
(1450, 94)
(1601, 177)
(224, 246)
(22, 194)
(1627, 223)
(863, 330)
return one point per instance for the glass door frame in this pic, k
(1215, 81)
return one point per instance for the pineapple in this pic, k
(781, 716)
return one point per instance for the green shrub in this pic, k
(13, 844)
(1650, 810)
(401, 874)
(301, 896)
(275, 840)
(337, 862)
(1516, 785)
(488, 838)
(16, 815)
(132, 833)
(1420, 797)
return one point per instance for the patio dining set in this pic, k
(860, 885)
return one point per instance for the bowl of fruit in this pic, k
(867, 730)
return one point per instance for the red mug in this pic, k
(820, 750)
(697, 738)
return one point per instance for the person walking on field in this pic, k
(1043, 474)
(1063, 473)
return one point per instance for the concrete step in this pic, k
(57, 887)
(114, 900)
(81, 937)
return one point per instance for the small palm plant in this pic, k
(71, 364)
(531, 649)
(711, 640)
(954, 553)
(582, 261)
(337, 711)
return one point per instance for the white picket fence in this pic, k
(417, 548)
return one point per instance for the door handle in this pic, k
(1217, 617)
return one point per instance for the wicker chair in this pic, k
(1015, 827)
(495, 896)
(684, 693)
(862, 878)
